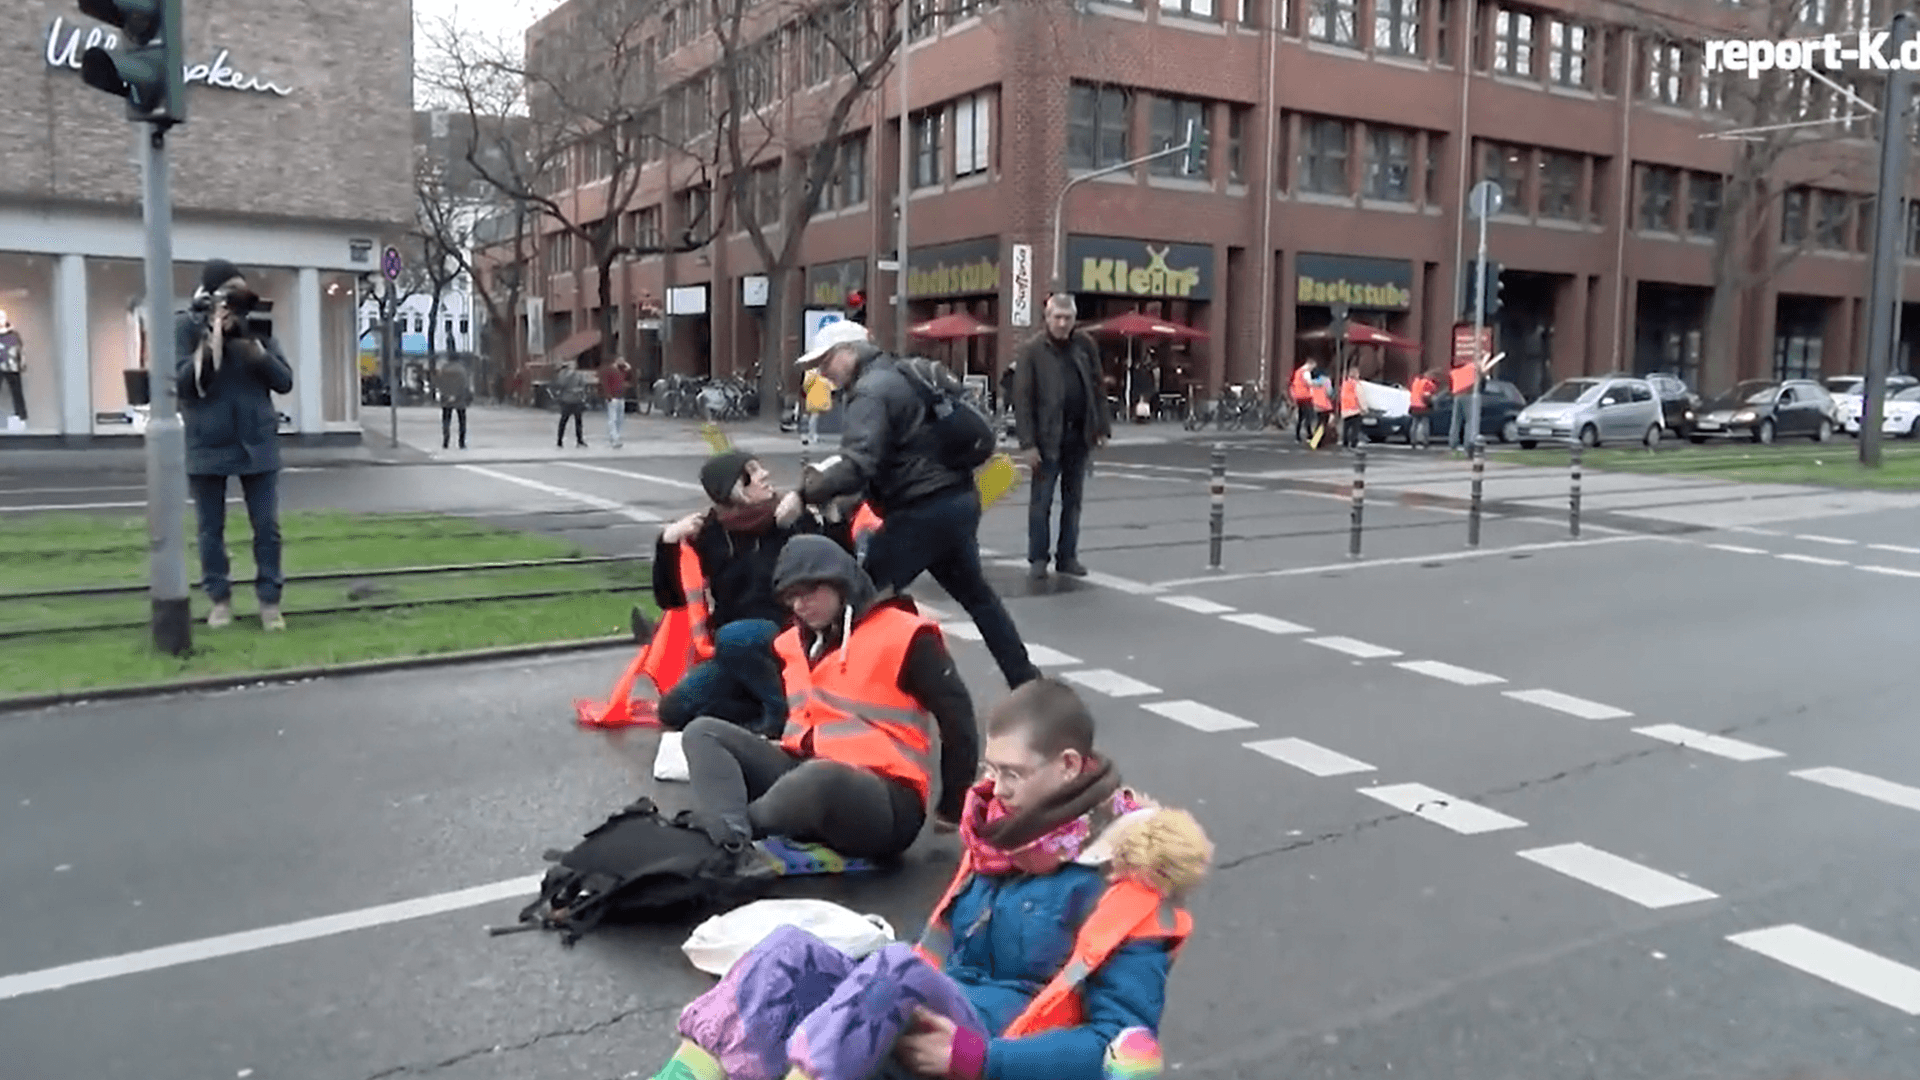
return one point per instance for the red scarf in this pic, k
(986, 819)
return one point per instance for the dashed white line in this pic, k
(1309, 757)
(1442, 809)
(1450, 673)
(1838, 541)
(1111, 683)
(1567, 703)
(1846, 966)
(1047, 657)
(1199, 605)
(1897, 549)
(1812, 559)
(1732, 749)
(1407, 560)
(1890, 571)
(962, 629)
(1198, 716)
(1268, 623)
(1125, 585)
(1622, 877)
(1859, 783)
(1737, 549)
(629, 512)
(1363, 650)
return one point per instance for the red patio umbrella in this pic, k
(951, 328)
(1133, 324)
(1359, 333)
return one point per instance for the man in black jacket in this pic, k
(930, 511)
(1060, 418)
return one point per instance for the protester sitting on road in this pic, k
(738, 541)
(930, 509)
(1047, 959)
(868, 680)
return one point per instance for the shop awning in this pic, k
(573, 346)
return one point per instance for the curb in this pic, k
(27, 702)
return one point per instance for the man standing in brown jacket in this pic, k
(1060, 418)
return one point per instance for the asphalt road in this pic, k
(1637, 806)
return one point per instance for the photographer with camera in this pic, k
(229, 367)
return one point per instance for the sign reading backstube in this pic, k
(1379, 284)
(965, 268)
(1111, 266)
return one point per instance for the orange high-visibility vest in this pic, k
(1320, 399)
(1421, 394)
(1350, 396)
(850, 708)
(865, 522)
(681, 640)
(1461, 378)
(1302, 384)
(1127, 911)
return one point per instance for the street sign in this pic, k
(1463, 351)
(1484, 201)
(887, 266)
(390, 263)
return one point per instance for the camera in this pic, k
(255, 313)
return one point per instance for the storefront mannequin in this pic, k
(12, 360)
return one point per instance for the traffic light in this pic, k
(149, 70)
(1468, 278)
(1196, 159)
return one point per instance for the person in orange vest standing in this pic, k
(1046, 959)
(1300, 387)
(1350, 408)
(1460, 382)
(1321, 397)
(1420, 406)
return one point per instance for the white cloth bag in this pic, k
(717, 944)
(670, 760)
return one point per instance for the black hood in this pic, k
(807, 559)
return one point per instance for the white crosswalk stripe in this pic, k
(1621, 877)
(1199, 717)
(1450, 673)
(1111, 683)
(1732, 749)
(1858, 783)
(1309, 757)
(1443, 809)
(1268, 623)
(1567, 703)
(1351, 647)
(1846, 966)
(1199, 605)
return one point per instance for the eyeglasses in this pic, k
(1012, 774)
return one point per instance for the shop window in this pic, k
(1390, 164)
(926, 148)
(1560, 185)
(1506, 165)
(1396, 27)
(339, 350)
(1335, 22)
(1170, 118)
(1704, 194)
(1663, 67)
(1513, 43)
(26, 295)
(1658, 186)
(1323, 156)
(1567, 45)
(1793, 216)
(972, 131)
(1097, 126)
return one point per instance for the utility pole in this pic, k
(390, 266)
(906, 161)
(1484, 202)
(1889, 243)
(151, 77)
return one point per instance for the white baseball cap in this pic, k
(831, 336)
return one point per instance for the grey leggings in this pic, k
(746, 786)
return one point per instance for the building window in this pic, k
(1862, 230)
(920, 20)
(1443, 31)
(764, 184)
(646, 228)
(1196, 9)
(1507, 166)
(1390, 164)
(1835, 213)
(1560, 185)
(848, 184)
(693, 204)
(1713, 90)
(1664, 64)
(1567, 45)
(1435, 145)
(1513, 43)
(1323, 156)
(1658, 185)
(1236, 144)
(463, 325)
(1797, 356)
(1096, 127)
(1793, 216)
(926, 148)
(1703, 204)
(1913, 229)
(1169, 128)
(1396, 27)
(972, 128)
(1334, 21)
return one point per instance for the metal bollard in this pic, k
(1573, 494)
(1478, 454)
(1359, 500)
(1217, 527)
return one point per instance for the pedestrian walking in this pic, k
(1460, 380)
(570, 393)
(453, 387)
(1320, 396)
(1059, 419)
(227, 373)
(1300, 388)
(1350, 407)
(930, 509)
(1420, 405)
(615, 378)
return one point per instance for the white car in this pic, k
(1902, 416)
(1847, 391)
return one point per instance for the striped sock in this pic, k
(691, 1063)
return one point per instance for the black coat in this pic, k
(738, 568)
(1039, 393)
(887, 450)
(233, 429)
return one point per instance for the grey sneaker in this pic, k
(1037, 571)
(221, 615)
(1071, 568)
(271, 619)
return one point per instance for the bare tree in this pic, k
(442, 231)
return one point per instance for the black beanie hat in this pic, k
(721, 472)
(217, 273)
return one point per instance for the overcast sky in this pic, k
(492, 17)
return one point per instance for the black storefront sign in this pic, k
(829, 283)
(1111, 266)
(1375, 284)
(967, 268)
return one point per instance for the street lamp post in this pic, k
(1484, 202)
(1194, 136)
(1884, 292)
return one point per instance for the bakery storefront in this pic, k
(1112, 275)
(958, 278)
(307, 221)
(1378, 292)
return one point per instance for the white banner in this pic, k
(1022, 307)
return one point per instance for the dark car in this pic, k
(1500, 402)
(1766, 409)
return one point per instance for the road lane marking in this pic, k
(1110, 683)
(1268, 623)
(1125, 585)
(1449, 672)
(629, 512)
(1897, 549)
(234, 500)
(1814, 560)
(1309, 757)
(1048, 657)
(1890, 571)
(1442, 809)
(684, 485)
(1737, 549)
(1858, 783)
(1846, 966)
(1199, 605)
(1363, 650)
(1198, 716)
(113, 967)
(1622, 877)
(1409, 560)
(1835, 540)
(1732, 749)
(1567, 703)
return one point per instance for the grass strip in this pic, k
(1835, 464)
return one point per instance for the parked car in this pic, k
(1766, 409)
(1847, 391)
(1679, 405)
(1595, 410)
(1500, 402)
(1903, 414)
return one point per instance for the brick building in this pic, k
(1344, 134)
(295, 163)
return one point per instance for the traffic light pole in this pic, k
(1479, 322)
(166, 436)
(1883, 293)
(389, 342)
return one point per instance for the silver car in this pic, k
(1594, 410)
